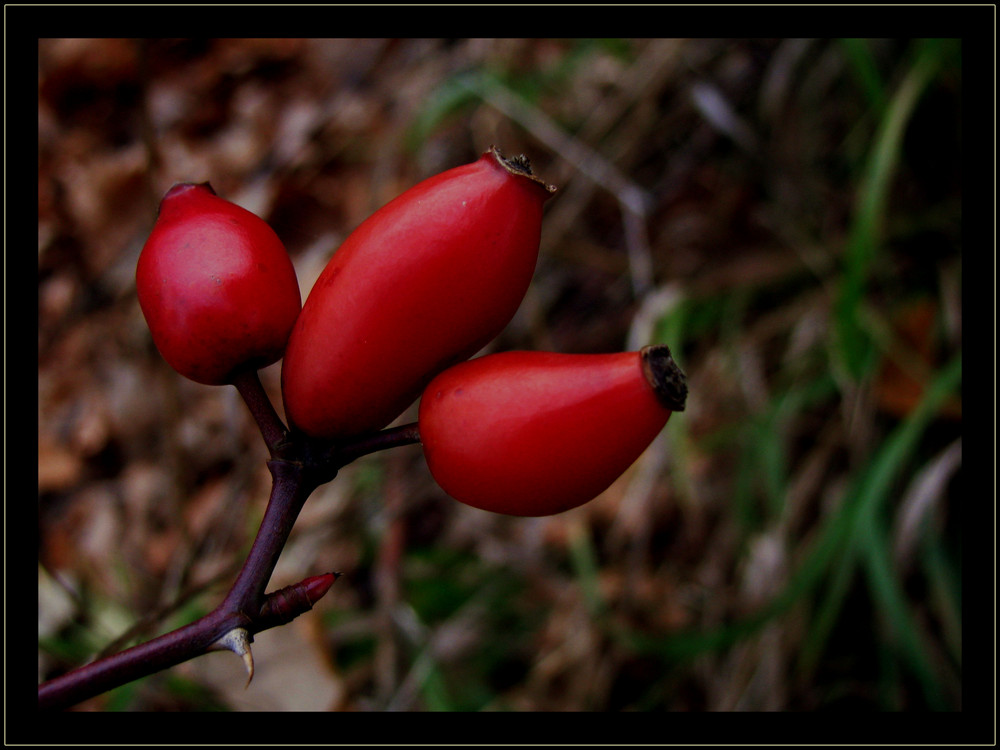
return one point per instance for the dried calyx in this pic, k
(519, 165)
(667, 379)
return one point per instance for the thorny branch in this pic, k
(298, 466)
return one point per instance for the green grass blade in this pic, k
(946, 595)
(870, 208)
(841, 531)
(859, 55)
(873, 538)
(583, 558)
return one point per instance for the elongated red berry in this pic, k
(216, 286)
(424, 282)
(537, 433)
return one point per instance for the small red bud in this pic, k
(285, 604)
(317, 586)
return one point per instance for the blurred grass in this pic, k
(752, 559)
(878, 172)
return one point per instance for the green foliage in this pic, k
(871, 206)
(849, 557)
(445, 587)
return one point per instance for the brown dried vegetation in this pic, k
(708, 195)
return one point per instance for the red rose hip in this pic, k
(216, 286)
(537, 433)
(426, 281)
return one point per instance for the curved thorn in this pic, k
(237, 640)
(248, 663)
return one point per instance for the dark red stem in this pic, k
(272, 429)
(289, 491)
(394, 437)
(139, 661)
(298, 466)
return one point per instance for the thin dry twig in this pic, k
(633, 201)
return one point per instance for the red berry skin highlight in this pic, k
(426, 281)
(216, 286)
(538, 433)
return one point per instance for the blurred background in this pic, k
(783, 213)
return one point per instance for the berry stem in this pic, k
(393, 437)
(298, 466)
(272, 429)
(289, 491)
(179, 645)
